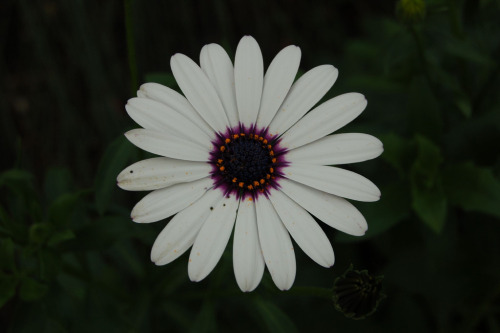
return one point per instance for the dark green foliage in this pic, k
(71, 260)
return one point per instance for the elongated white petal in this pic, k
(199, 91)
(277, 82)
(303, 95)
(333, 180)
(179, 234)
(218, 66)
(168, 145)
(163, 203)
(276, 245)
(248, 79)
(338, 149)
(156, 116)
(212, 239)
(337, 212)
(176, 101)
(304, 230)
(248, 261)
(160, 172)
(325, 119)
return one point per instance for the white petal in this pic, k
(338, 149)
(163, 203)
(337, 212)
(168, 145)
(303, 95)
(304, 230)
(179, 234)
(343, 183)
(248, 261)
(176, 101)
(325, 119)
(141, 94)
(199, 91)
(277, 82)
(212, 239)
(218, 67)
(276, 245)
(160, 172)
(248, 79)
(154, 115)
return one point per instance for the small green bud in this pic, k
(411, 11)
(357, 294)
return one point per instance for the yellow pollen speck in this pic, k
(234, 180)
(268, 176)
(222, 148)
(261, 138)
(274, 160)
(269, 146)
(271, 170)
(250, 187)
(250, 199)
(219, 161)
(227, 140)
(264, 142)
(271, 153)
(256, 183)
(262, 181)
(242, 134)
(241, 184)
(222, 168)
(251, 136)
(235, 136)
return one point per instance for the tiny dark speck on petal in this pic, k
(224, 205)
(131, 171)
(211, 208)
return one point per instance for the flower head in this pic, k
(241, 151)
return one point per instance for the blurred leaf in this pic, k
(393, 207)
(8, 286)
(429, 199)
(15, 176)
(165, 79)
(424, 109)
(60, 237)
(58, 181)
(205, 320)
(115, 159)
(62, 208)
(39, 233)
(466, 50)
(273, 317)
(7, 260)
(32, 290)
(473, 188)
(397, 152)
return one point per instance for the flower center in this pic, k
(244, 163)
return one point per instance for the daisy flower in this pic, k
(244, 151)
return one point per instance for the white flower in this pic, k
(243, 151)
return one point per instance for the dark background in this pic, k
(72, 261)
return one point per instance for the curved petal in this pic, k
(179, 234)
(156, 116)
(160, 204)
(333, 180)
(248, 261)
(337, 212)
(325, 119)
(212, 238)
(176, 101)
(167, 145)
(338, 149)
(160, 172)
(303, 95)
(304, 230)
(199, 91)
(215, 62)
(276, 244)
(248, 79)
(277, 82)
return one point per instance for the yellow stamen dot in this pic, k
(268, 176)
(235, 179)
(219, 161)
(273, 160)
(265, 142)
(241, 184)
(271, 170)
(251, 136)
(222, 148)
(271, 153)
(227, 140)
(261, 138)
(256, 183)
(269, 146)
(242, 134)
(250, 199)
(250, 187)
(236, 136)
(222, 168)
(261, 190)
(262, 181)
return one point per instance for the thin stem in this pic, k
(132, 63)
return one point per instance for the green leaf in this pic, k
(116, 157)
(58, 181)
(398, 152)
(7, 260)
(165, 79)
(466, 50)
(8, 286)
(428, 196)
(205, 321)
(473, 188)
(32, 290)
(61, 210)
(273, 317)
(424, 109)
(39, 233)
(60, 237)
